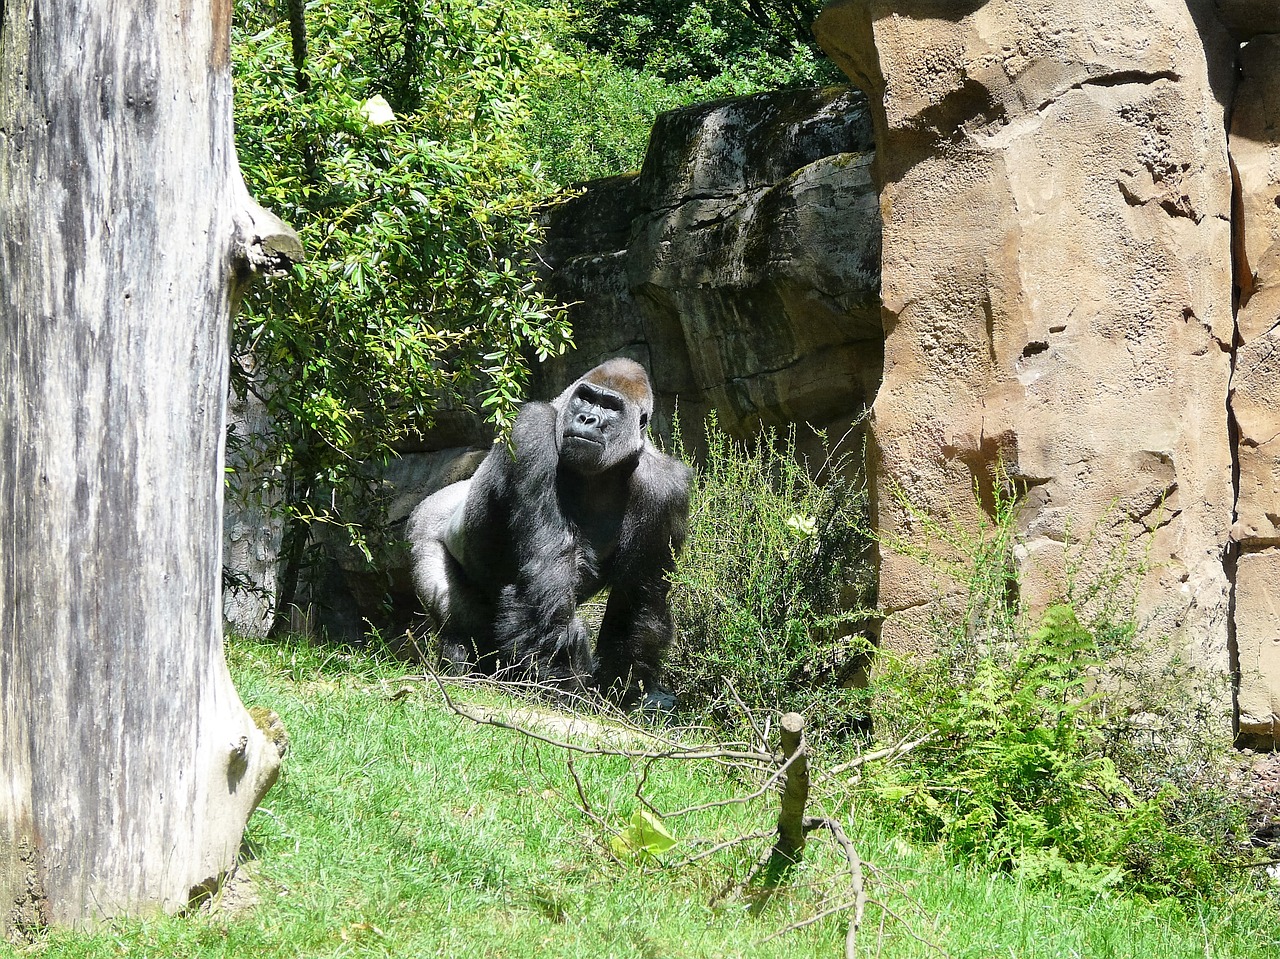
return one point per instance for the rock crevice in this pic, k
(1254, 397)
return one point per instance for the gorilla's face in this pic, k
(602, 420)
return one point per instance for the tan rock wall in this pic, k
(1056, 279)
(1258, 635)
(1255, 387)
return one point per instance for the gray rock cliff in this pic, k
(741, 265)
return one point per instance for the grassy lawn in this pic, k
(400, 829)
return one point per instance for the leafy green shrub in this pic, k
(393, 146)
(770, 588)
(765, 44)
(1041, 757)
(592, 119)
(414, 216)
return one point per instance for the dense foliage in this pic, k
(623, 63)
(1062, 747)
(771, 587)
(391, 143)
(758, 43)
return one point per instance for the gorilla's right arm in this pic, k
(637, 626)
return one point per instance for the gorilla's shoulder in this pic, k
(535, 422)
(665, 477)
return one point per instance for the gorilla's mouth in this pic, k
(583, 453)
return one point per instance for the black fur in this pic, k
(580, 499)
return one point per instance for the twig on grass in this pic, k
(738, 885)
(762, 736)
(809, 921)
(788, 847)
(886, 911)
(856, 879)
(858, 903)
(582, 793)
(896, 751)
(721, 846)
(675, 750)
(774, 777)
(584, 807)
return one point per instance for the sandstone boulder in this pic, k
(1057, 293)
(1255, 387)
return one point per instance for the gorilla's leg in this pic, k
(633, 640)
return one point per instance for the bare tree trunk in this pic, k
(128, 766)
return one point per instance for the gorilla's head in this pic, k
(603, 416)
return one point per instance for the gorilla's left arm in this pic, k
(637, 626)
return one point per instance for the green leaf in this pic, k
(646, 836)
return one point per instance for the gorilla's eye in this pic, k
(600, 396)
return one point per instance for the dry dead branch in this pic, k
(672, 750)
(896, 751)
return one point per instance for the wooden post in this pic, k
(789, 847)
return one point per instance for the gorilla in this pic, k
(579, 499)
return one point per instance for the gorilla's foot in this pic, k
(457, 659)
(656, 702)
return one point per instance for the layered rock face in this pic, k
(1255, 385)
(740, 266)
(1057, 288)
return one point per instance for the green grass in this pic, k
(400, 829)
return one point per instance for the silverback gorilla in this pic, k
(580, 499)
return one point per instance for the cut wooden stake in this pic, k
(789, 847)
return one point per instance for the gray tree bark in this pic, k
(128, 765)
